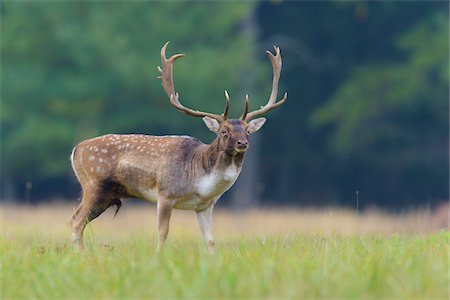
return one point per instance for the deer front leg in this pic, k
(204, 218)
(164, 211)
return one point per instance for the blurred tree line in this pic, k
(367, 83)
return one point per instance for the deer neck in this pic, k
(213, 158)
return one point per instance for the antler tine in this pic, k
(166, 70)
(271, 103)
(227, 105)
(244, 115)
(167, 82)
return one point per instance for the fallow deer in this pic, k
(173, 171)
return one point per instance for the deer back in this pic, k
(142, 164)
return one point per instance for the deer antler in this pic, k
(167, 83)
(271, 104)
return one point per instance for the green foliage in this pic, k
(368, 105)
(73, 70)
(391, 114)
(367, 83)
(281, 267)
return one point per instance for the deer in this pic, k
(175, 172)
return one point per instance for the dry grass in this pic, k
(51, 220)
(261, 254)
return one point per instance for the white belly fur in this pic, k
(208, 189)
(151, 195)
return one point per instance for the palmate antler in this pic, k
(167, 83)
(271, 104)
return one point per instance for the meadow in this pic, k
(276, 254)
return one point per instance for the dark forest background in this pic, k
(368, 86)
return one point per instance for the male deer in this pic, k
(173, 171)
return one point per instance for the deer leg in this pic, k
(90, 208)
(204, 218)
(78, 225)
(75, 214)
(77, 221)
(164, 211)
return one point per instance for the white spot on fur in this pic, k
(92, 157)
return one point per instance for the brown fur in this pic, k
(174, 171)
(113, 167)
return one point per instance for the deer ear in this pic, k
(256, 124)
(212, 124)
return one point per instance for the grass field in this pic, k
(283, 254)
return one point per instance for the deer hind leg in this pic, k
(95, 201)
(92, 205)
(75, 214)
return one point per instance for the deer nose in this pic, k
(242, 144)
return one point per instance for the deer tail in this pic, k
(118, 205)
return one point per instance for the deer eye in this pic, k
(224, 132)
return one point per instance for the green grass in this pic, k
(277, 267)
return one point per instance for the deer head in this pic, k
(232, 134)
